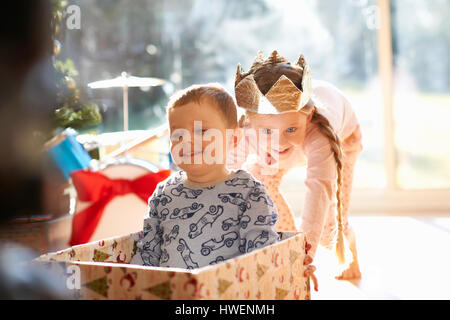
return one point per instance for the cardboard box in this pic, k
(104, 272)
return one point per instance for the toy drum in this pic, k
(124, 213)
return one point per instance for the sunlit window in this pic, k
(198, 41)
(421, 34)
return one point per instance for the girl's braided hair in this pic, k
(266, 73)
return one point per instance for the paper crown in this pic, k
(283, 96)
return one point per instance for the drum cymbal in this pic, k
(127, 81)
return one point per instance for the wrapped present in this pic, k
(67, 153)
(269, 273)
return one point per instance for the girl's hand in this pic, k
(309, 272)
(309, 269)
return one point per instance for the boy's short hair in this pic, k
(195, 93)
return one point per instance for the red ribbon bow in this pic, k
(97, 188)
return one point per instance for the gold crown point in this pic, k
(259, 60)
(301, 62)
(238, 74)
(260, 56)
(284, 95)
(247, 93)
(274, 57)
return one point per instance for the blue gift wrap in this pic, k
(69, 155)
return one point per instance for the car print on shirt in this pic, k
(208, 218)
(175, 180)
(242, 245)
(187, 192)
(214, 244)
(153, 213)
(236, 199)
(164, 199)
(257, 195)
(186, 253)
(242, 220)
(186, 212)
(259, 241)
(156, 241)
(164, 256)
(153, 202)
(172, 234)
(162, 215)
(245, 182)
(217, 260)
(147, 228)
(161, 199)
(150, 258)
(268, 220)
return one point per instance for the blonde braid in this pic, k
(327, 130)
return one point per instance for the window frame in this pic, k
(392, 199)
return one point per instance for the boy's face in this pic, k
(198, 135)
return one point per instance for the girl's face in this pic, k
(291, 128)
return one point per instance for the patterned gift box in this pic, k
(272, 272)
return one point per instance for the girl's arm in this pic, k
(320, 201)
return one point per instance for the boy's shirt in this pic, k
(194, 227)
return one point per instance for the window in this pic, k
(198, 41)
(421, 46)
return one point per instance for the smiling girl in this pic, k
(317, 127)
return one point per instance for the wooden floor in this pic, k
(400, 257)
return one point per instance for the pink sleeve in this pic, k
(320, 185)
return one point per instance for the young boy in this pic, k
(204, 214)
